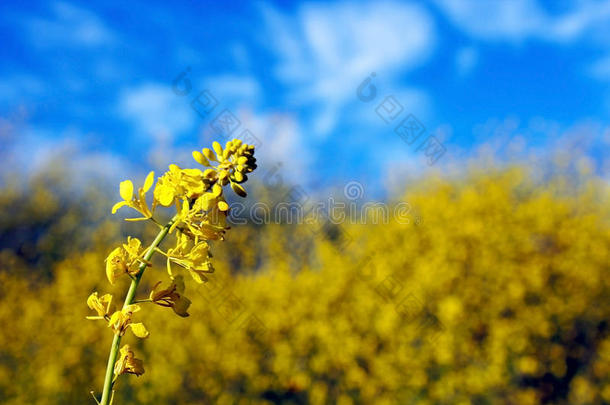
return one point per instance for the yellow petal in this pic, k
(111, 266)
(92, 300)
(110, 274)
(107, 299)
(143, 204)
(179, 283)
(206, 201)
(185, 208)
(180, 307)
(137, 367)
(164, 195)
(223, 206)
(134, 243)
(118, 205)
(149, 181)
(198, 277)
(139, 330)
(126, 190)
(114, 318)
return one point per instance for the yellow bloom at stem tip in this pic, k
(235, 160)
(127, 363)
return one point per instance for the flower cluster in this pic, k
(201, 210)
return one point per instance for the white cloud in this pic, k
(156, 111)
(325, 51)
(35, 149)
(69, 25)
(517, 20)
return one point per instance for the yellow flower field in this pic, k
(498, 294)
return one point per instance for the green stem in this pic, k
(114, 348)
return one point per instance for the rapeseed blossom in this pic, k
(138, 202)
(201, 211)
(172, 296)
(128, 364)
(101, 305)
(125, 259)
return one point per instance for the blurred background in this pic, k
(465, 142)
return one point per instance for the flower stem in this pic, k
(114, 348)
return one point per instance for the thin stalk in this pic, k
(131, 293)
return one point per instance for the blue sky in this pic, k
(96, 80)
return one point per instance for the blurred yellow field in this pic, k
(498, 294)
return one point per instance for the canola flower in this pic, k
(201, 211)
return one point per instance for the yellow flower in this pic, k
(133, 247)
(139, 204)
(116, 264)
(195, 259)
(200, 226)
(211, 199)
(125, 259)
(127, 363)
(101, 305)
(164, 194)
(171, 296)
(182, 215)
(121, 320)
(178, 184)
(201, 215)
(192, 183)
